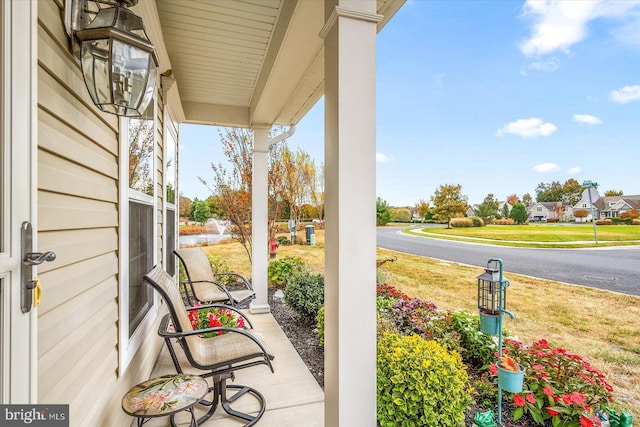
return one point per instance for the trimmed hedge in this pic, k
(420, 383)
(305, 294)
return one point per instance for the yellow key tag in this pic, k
(37, 292)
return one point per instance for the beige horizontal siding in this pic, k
(78, 219)
(56, 325)
(73, 246)
(62, 284)
(62, 176)
(69, 144)
(56, 366)
(57, 211)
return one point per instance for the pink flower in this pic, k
(531, 398)
(538, 367)
(518, 400)
(548, 391)
(577, 398)
(566, 399)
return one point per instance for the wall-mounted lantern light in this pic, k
(118, 60)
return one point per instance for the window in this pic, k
(138, 206)
(170, 201)
(141, 139)
(539, 208)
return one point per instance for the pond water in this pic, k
(198, 239)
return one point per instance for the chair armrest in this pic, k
(164, 330)
(221, 287)
(240, 277)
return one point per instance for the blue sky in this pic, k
(496, 96)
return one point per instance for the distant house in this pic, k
(606, 207)
(501, 207)
(545, 211)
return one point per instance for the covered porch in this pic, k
(259, 64)
(292, 393)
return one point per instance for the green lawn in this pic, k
(540, 235)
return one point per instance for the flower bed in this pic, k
(559, 388)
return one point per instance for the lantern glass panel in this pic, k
(118, 62)
(95, 67)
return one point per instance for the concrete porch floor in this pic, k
(291, 393)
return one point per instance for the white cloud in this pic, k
(587, 118)
(546, 168)
(381, 158)
(574, 170)
(558, 25)
(545, 66)
(626, 94)
(528, 128)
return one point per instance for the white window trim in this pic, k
(168, 134)
(129, 345)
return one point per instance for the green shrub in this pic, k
(478, 348)
(419, 383)
(619, 221)
(283, 240)
(304, 293)
(477, 222)
(461, 222)
(220, 265)
(320, 326)
(279, 271)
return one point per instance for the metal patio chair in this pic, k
(220, 356)
(204, 285)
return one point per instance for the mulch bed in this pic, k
(304, 338)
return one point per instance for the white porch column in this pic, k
(259, 219)
(350, 199)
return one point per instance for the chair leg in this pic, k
(220, 388)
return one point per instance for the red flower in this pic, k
(586, 422)
(552, 412)
(518, 400)
(531, 398)
(493, 370)
(566, 399)
(548, 391)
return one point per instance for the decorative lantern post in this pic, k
(492, 300)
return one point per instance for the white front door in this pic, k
(18, 109)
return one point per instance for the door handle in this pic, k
(37, 258)
(29, 259)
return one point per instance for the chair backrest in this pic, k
(167, 287)
(196, 264)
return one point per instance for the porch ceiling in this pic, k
(244, 62)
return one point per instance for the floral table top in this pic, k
(164, 395)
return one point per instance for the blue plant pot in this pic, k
(490, 323)
(509, 380)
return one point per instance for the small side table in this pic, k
(165, 396)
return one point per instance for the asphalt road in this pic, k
(615, 269)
